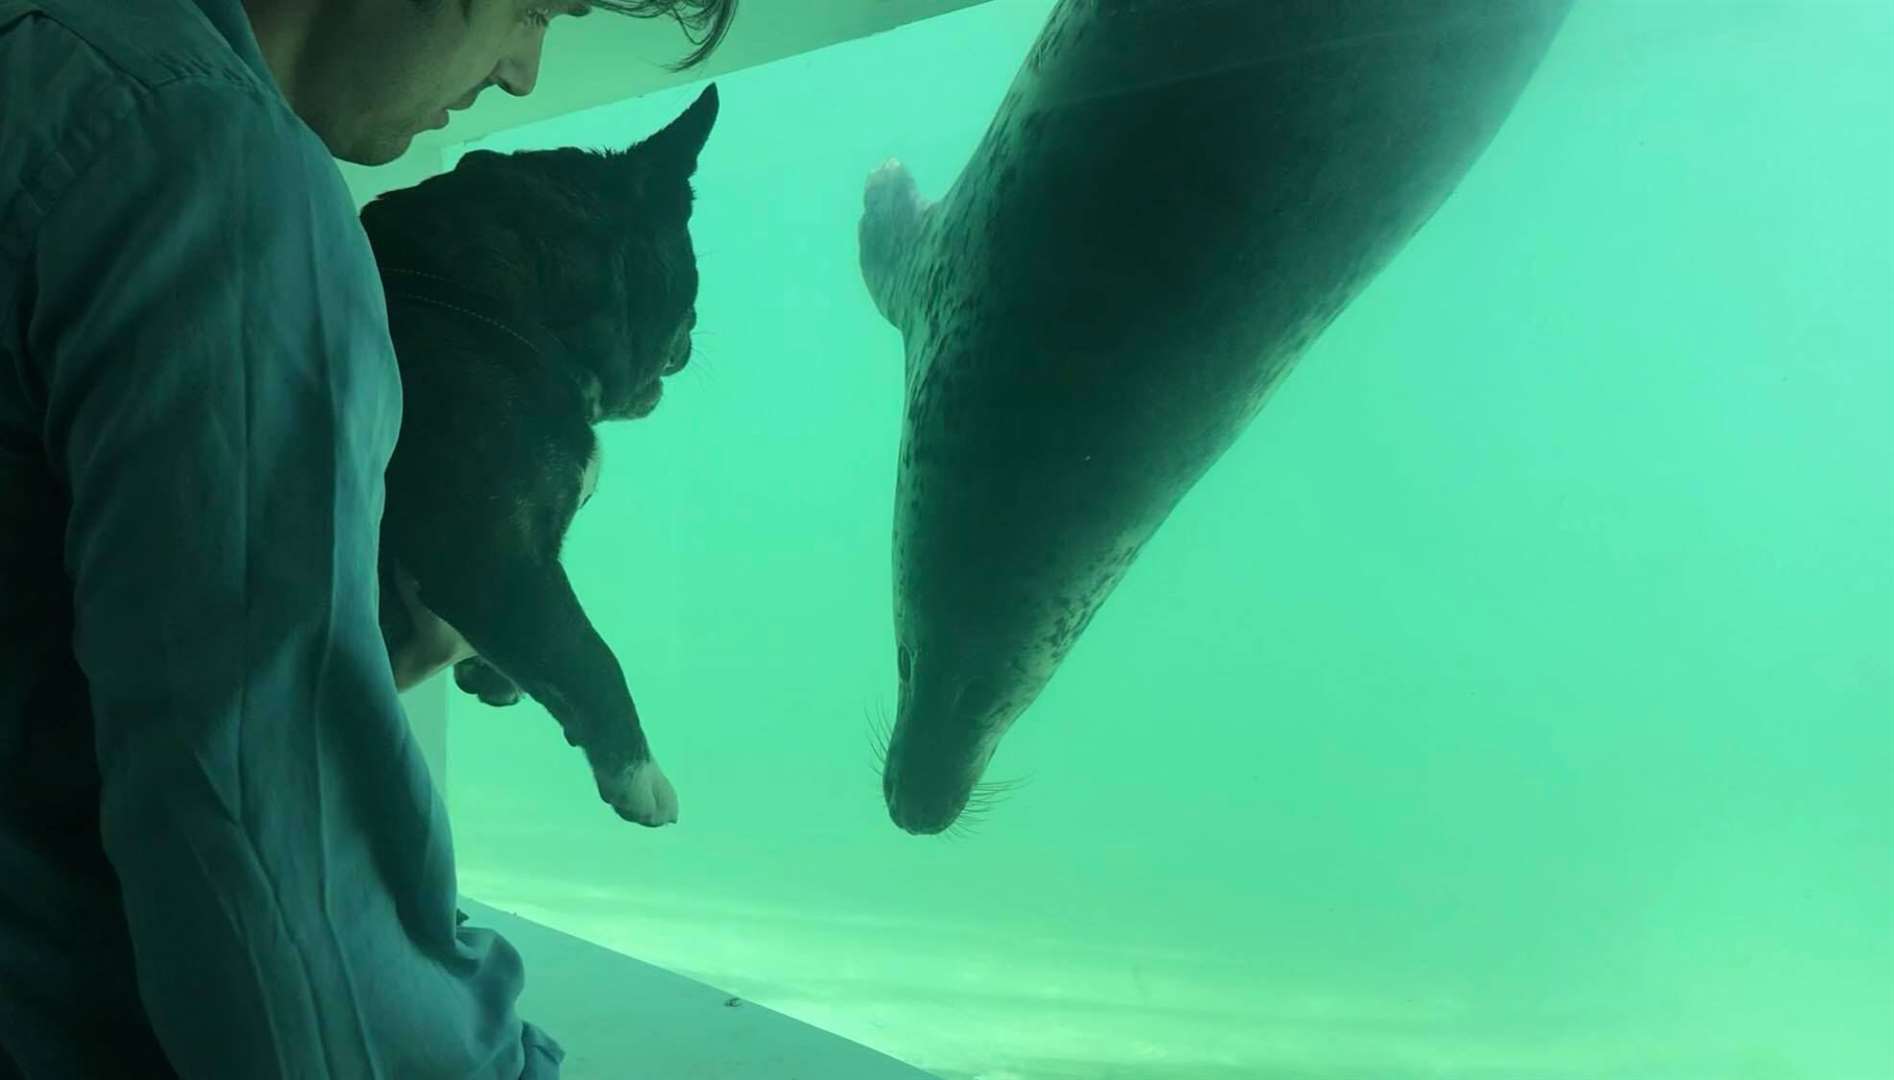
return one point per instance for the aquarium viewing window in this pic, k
(1511, 699)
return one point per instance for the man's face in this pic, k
(390, 69)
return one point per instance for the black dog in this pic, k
(531, 296)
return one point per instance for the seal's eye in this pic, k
(902, 663)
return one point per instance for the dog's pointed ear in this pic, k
(676, 146)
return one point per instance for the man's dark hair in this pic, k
(705, 22)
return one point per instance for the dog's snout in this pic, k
(680, 353)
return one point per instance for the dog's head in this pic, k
(593, 247)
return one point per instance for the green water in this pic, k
(1512, 701)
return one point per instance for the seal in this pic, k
(1173, 200)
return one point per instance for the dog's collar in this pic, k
(424, 288)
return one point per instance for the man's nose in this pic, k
(518, 71)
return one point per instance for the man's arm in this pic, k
(221, 402)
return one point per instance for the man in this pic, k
(220, 852)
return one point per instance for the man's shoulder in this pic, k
(78, 78)
(74, 71)
(143, 45)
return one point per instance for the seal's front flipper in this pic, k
(893, 216)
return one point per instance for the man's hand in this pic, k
(432, 646)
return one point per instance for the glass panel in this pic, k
(1511, 699)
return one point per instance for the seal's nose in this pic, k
(915, 814)
(926, 784)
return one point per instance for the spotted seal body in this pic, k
(1173, 201)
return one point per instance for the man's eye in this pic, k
(540, 17)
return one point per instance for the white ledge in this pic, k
(623, 1019)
